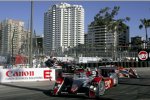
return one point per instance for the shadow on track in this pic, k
(135, 81)
(74, 96)
(47, 92)
(135, 84)
(22, 87)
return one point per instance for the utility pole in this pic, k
(31, 31)
(12, 58)
(36, 45)
(28, 39)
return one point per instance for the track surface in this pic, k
(128, 89)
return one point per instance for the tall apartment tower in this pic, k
(63, 28)
(12, 34)
(0, 38)
(102, 43)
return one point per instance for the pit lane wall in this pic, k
(27, 74)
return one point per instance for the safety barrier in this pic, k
(27, 74)
(123, 64)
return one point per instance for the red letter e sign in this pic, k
(47, 74)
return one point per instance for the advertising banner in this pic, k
(144, 55)
(26, 74)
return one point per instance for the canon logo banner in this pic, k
(19, 73)
(27, 74)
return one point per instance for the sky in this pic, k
(20, 10)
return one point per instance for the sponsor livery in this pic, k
(127, 73)
(91, 84)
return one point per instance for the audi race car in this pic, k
(127, 73)
(109, 72)
(89, 83)
(70, 67)
(67, 67)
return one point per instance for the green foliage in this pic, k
(146, 24)
(106, 16)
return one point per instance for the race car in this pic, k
(110, 72)
(93, 85)
(68, 67)
(127, 73)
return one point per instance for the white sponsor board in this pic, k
(88, 59)
(26, 74)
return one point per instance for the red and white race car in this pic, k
(127, 73)
(111, 73)
(89, 83)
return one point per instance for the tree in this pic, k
(145, 23)
(106, 17)
(136, 43)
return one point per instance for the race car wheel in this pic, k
(97, 90)
(115, 81)
(100, 89)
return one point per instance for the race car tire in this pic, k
(116, 81)
(100, 89)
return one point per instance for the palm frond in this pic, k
(140, 26)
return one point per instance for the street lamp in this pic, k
(31, 31)
(13, 47)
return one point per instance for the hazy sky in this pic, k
(136, 10)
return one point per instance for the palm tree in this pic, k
(145, 23)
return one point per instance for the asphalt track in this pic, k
(128, 89)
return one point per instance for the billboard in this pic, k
(144, 55)
(27, 74)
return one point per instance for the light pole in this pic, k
(31, 31)
(12, 58)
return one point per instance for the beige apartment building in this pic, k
(12, 37)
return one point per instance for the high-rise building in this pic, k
(0, 38)
(12, 36)
(63, 28)
(38, 45)
(102, 43)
